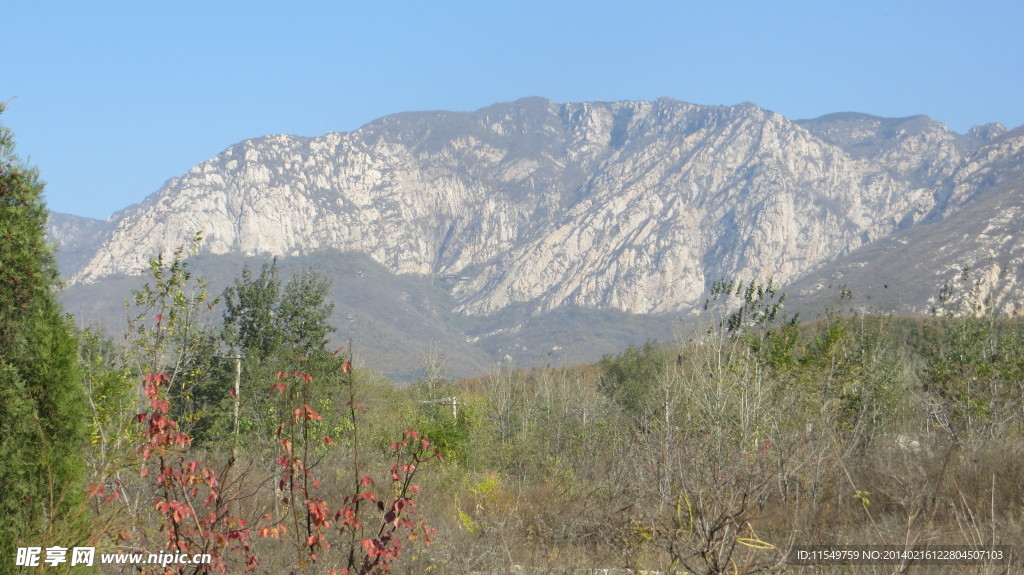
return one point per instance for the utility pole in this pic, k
(238, 397)
(238, 385)
(452, 402)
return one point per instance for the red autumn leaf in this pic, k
(312, 414)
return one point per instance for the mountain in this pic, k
(77, 237)
(525, 211)
(970, 242)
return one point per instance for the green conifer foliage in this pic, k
(42, 404)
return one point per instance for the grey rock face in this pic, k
(967, 257)
(634, 206)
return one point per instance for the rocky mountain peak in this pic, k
(987, 132)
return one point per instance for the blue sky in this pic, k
(111, 99)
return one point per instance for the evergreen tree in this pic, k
(42, 403)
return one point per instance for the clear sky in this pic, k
(111, 99)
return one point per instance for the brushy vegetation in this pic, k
(245, 439)
(717, 453)
(753, 434)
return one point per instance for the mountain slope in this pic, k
(78, 238)
(632, 206)
(977, 228)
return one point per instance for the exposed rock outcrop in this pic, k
(634, 206)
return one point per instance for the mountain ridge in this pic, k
(532, 205)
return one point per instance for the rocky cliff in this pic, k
(631, 206)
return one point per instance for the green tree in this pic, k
(304, 310)
(263, 319)
(169, 332)
(112, 392)
(43, 415)
(277, 328)
(250, 325)
(630, 380)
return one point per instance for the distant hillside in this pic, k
(77, 237)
